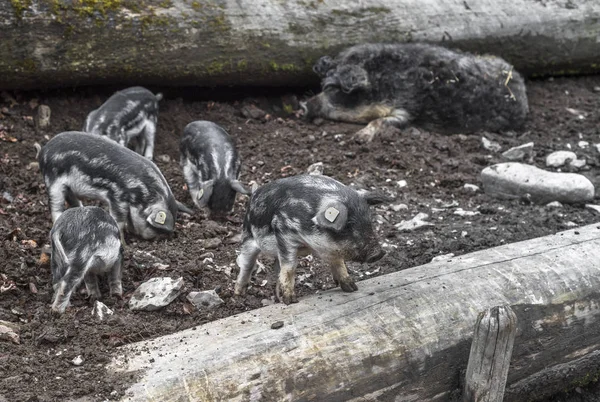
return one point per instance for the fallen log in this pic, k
(52, 43)
(403, 336)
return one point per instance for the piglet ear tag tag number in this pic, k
(331, 214)
(161, 217)
(200, 193)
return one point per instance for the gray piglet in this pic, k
(85, 244)
(305, 214)
(211, 167)
(77, 165)
(129, 115)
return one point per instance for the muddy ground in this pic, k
(435, 168)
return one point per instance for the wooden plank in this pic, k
(272, 42)
(405, 335)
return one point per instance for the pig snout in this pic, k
(376, 256)
(312, 107)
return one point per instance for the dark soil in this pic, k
(435, 167)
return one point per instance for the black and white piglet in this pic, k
(430, 86)
(306, 214)
(77, 165)
(85, 244)
(130, 114)
(211, 167)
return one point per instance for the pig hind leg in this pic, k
(95, 265)
(399, 118)
(287, 256)
(246, 261)
(68, 283)
(115, 284)
(341, 276)
(147, 138)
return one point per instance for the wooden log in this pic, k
(404, 336)
(51, 43)
(490, 355)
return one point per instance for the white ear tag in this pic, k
(200, 193)
(331, 214)
(160, 218)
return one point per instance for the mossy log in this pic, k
(53, 43)
(402, 337)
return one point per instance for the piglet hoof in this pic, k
(240, 290)
(286, 298)
(348, 285)
(365, 135)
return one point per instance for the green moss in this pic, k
(288, 108)
(242, 65)
(166, 4)
(28, 65)
(20, 6)
(588, 379)
(361, 12)
(215, 67)
(196, 5)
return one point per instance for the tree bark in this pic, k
(402, 337)
(53, 43)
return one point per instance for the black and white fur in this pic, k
(211, 167)
(305, 214)
(128, 115)
(415, 83)
(80, 166)
(85, 244)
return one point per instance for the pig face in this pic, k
(153, 222)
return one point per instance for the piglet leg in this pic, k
(399, 119)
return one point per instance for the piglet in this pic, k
(130, 114)
(304, 214)
(78, 166)
(85, 244)
(211, 167)
(443, 90)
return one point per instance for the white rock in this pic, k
(415, 223)
(101, 311)
(462, 212)
(402, 183)
(77, 361)
(442, 257)
(583, 144)
(593, 207)
(205, 300)
(518, 153)
(491, 145)
(399, 207)
(578, 163)
(316, 168)
(471, 187)
(597, 146)
(9, 331)
(517, 180)
(554, 204)
(155, 293)
(559, 158)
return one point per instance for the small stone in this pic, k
(155, 293)
(415, 223)
(578, 163)
(211, 243)
(596, 89)
(560, 158)
(442, 257)
(595, 208)
(101, 310)
(491, 145)
(554, 204)
(583, 144)
(77, 361)
(7, 197)
(9, 331)
(462, 212)
(401, 183)
(318, 121)
(253, 112)
(164, 158)
(518, 153)
(42, 116)
(471, 187)
(311, 138)
(399, 207)
(517, 180)
(316, 168)
(267, 302)
(205, 300)
(277, 325)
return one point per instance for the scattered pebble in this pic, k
(593, 207)
(9, 331)
(442, 257)
(596, 89)
(164, 158)
(399, 207)
(517, 180)
(211, 243)
(316, 168)
(155, 293)
(101, 310)
(583, 144)
(518, 153)
(415, 223)
(277, 325)
(205, 300)
(471, 187)
(560, 158)
(462, 212)
(402, 183)
(77, 361)
(42, 116)
(578, 163)
(554, 204)
(253, 112)
(491, 145)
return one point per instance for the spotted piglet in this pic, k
(211, 167)
(306, 214)
(128, 115)
(85, 244)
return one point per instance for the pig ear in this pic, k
(161, 219)
(353, 78)
(374, 197)
(332, 215)
(206, 189)
(237, 186)
(323, 65)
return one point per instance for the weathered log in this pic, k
(490, 355)
(50, 43)
(404, 336)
